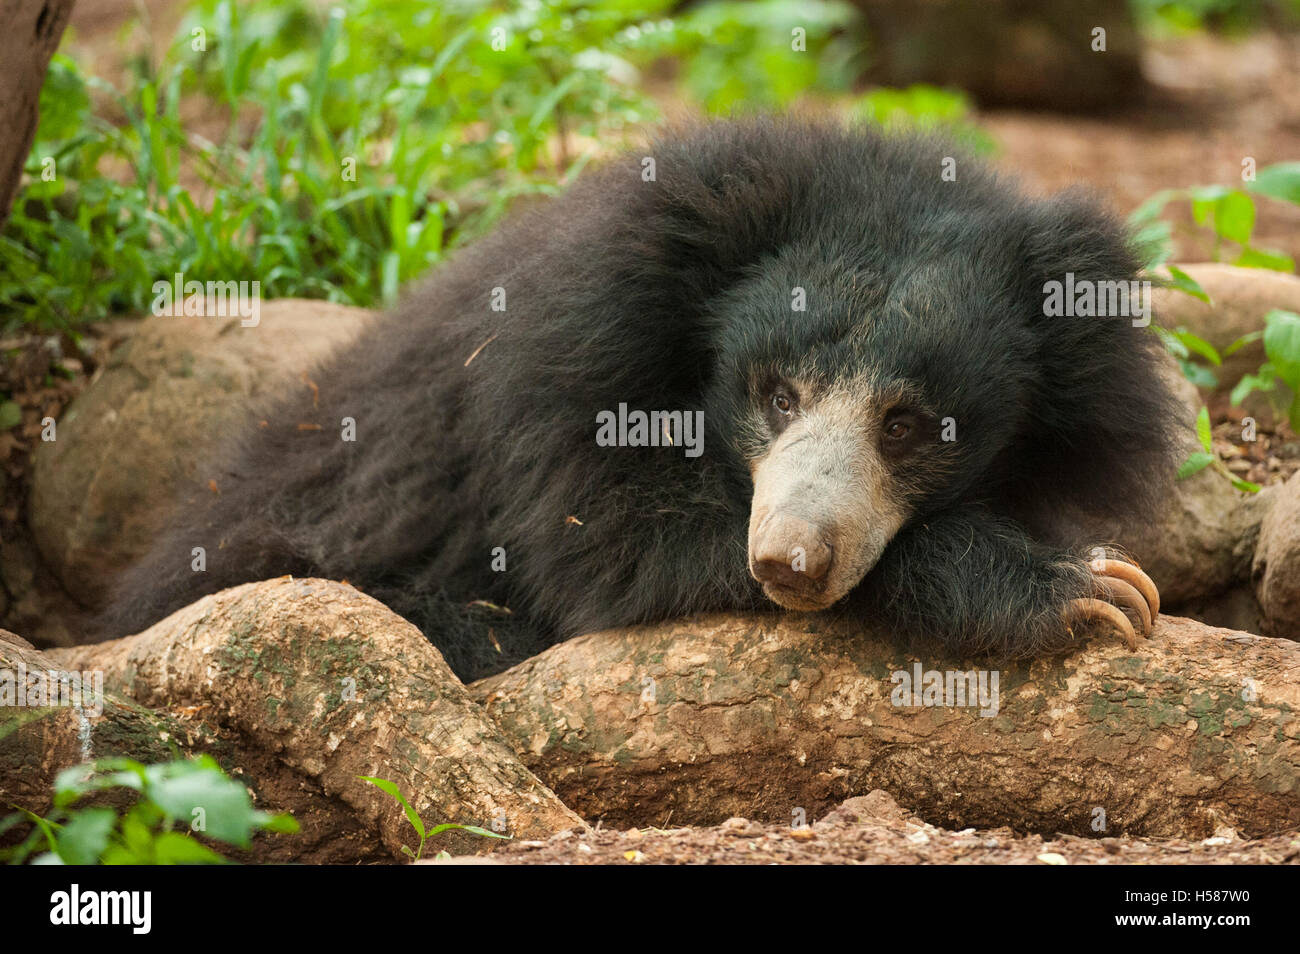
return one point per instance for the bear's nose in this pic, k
(789, 552)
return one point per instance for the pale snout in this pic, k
(823, 510)
(790, 553)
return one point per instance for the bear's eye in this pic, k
(903, 432)
(782, 405)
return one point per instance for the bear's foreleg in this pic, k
(977, 582)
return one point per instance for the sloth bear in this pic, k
(894, 425)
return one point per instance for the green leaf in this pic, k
(1282, 345)
(1242, 342)
(1195, 464)
(1203, 427)
(179, 788)
(1198, 345)
(1279, 181)
(1208, 194)
(11, 415)
(64, 102)
(1186, 283)
(1171, 342)
(282, 823)
(1198, 374)
(1204, 199)
(1263, 380)
(473, 829)
(122, 855)
(1155, 243)
(76, 780)
(1264, 258)
(551, 100)
(85, 835)
(386, 786)
(46, 829)
(1234, 217)
(174, 848)
(1245, 485)
(137, 839)
(390, 270)
(1150, 209)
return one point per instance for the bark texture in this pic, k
(37, 743)
(32, 29)
(698, 720)
(336, 686)
(691, 722)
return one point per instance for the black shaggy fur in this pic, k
(664, 294)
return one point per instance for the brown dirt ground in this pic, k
(1212, 102)
(1271, 459)
(873, 829)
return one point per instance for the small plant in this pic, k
(194, 794)
(1228, 212)
(1279, 376)
(1198, 461)
(418, 823)
(344, 149)
(340, 156)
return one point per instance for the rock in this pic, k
(1202, 541)
(132, 442)
(1007, 53)
(1276, 569)
(877, 805)
(36, 603)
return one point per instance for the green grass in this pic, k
(338, 153)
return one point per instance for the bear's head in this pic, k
(869, 385)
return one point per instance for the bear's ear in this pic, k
(722, 225)
(725, 195)
(1072, 232)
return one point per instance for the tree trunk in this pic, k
(32, 29)
(768, 717)
(37, 743)
(336, 686)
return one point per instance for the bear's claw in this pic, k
(1119, 585)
